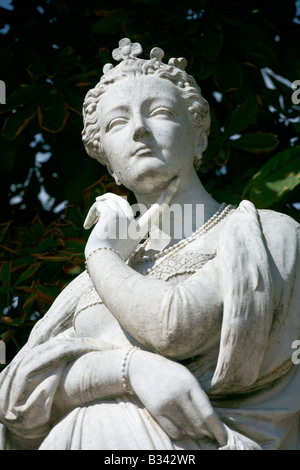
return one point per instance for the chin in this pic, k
(149, 177)
(150, 183)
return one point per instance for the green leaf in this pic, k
(46, 294)
(27, 274)
(256, 143)
(9, 149)
(17, 122)
(297, 126)
(46, 244)
(73, 102)
(22, 96)
(3, 229)
(110, 24)
(241, 118)
(52, 113)
(228, 75)
(261, 55)
(5, 276)
(275, 179)
(29, 300)
(206, 69)
(211, 42)
(6, 57)
(75, 244)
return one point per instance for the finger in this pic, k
(118, 207)
(121, 201)
(170, 427)
(193, 421)
(92, 217)
(212, 420)
(115, 203)
(188, 421)
(152, 215)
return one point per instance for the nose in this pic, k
(140, 129)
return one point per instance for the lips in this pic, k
(141, 151)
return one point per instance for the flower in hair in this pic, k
(180, 63)
(127, 50)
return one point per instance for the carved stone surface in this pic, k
(180, 338)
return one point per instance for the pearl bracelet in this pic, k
(108, 248)
(124, 372)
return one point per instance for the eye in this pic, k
(119, 121)
(162, 111)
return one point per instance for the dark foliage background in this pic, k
(53, 51)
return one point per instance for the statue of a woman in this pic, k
(182, 340)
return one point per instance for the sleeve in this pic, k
(176, 321)
(29, 385)
(54, 377)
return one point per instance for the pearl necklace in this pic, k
(168, 252)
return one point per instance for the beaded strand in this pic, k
(108, 248)
(124, 371)
(168, 252)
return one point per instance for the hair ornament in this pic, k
(157, 54)
(180, 63)
(107, 68)
(127, 50)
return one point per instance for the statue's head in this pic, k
(133, 68)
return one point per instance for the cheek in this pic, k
(167, 133)
(182, 138)
(112, 148)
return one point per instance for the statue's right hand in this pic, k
(174, 398)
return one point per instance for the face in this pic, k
(146, 133)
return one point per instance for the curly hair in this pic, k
(196, 105)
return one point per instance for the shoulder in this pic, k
(276, 225)
(279, 233)
(282, 237)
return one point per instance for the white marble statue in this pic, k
(182, 340)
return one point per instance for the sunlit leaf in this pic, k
(275, 179)
(53, 259)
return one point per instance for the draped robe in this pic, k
(249, 377)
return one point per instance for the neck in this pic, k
(190, 208)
